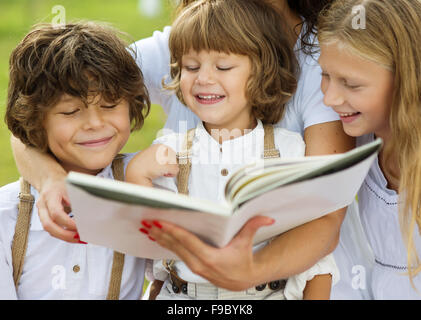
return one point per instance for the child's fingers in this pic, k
(170, 170)
(58, 214)
(52, 228)
(165, 155)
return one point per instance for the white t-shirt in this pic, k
(377, 270)
(210, 162)
(54, 269)
(305, 109)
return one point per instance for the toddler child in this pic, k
(233, 67)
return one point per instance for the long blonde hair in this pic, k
(391, 38)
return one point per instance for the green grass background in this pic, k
(16, 19)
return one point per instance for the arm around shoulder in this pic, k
(35, 166)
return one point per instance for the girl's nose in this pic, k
(333, 96)
(205, 76)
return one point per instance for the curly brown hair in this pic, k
(243, 27)
(80, 59)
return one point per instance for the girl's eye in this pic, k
(191, 68)
(109, 107)
(70, 113)
(224, 68)
(349, 86)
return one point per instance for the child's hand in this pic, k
(53, 208)
(156, 161)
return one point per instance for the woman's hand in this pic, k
(233, 267)
(53, 207)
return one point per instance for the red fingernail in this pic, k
(151, 238)
(157, 224)
(76, 236)
(145, 224)
(144, 231)
(82, 242)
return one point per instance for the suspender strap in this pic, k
(118, 258)
(270, 150)
(184, 163)
(20, 238)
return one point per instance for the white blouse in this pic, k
(54, 269)
(372, 253)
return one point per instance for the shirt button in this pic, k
(261, 287)
(224, 172)
(76, 268)
(275, 285)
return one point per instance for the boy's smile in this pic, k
(87, 138)
(214, 85)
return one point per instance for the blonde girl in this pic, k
(370, 57)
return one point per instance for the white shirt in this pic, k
(382, 260)
(54, 269)
(305, 109)
(209, 160)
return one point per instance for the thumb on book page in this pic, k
(250, 228)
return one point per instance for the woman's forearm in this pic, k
(300, 248)
(36, 167)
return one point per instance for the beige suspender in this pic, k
(20, 238)
(118, 257)
(270, 150)
(184, 163)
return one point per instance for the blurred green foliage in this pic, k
(16, 19)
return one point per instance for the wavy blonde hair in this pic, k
(392, 39)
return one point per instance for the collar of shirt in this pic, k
(236, 151)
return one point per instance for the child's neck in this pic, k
(229, 132)
(72, 167)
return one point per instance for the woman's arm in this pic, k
(234, 267)
(44, 173)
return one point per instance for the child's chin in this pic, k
(96, 165)
(354, 132)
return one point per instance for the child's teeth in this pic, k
(348, 114)
(209, 97)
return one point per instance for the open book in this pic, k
(291, 191)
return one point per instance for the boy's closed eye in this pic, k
(69, 113)
(109, 106)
